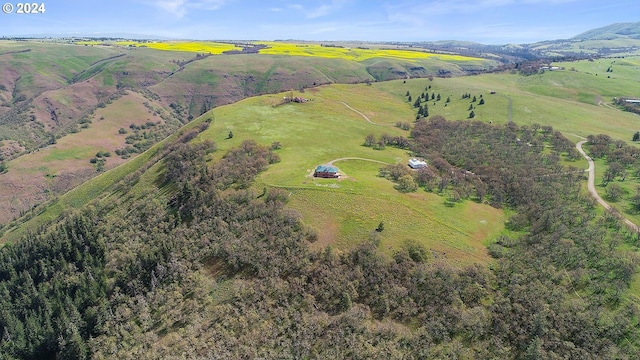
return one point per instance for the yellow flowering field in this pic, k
(295, 49)
(214, 48)
(354, 54)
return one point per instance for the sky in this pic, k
(484, 21)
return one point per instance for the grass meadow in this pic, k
(573, 102)
(345, 211)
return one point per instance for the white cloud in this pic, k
(322, 10)
(175, 7)
(180, 8)
(441, 7)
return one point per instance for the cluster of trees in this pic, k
(628, 106)
(144, 136)
(386, 140)
(420, 102)
(403, 125)
(471, 159)
(206, 266)
(53, 292)
(622, 160)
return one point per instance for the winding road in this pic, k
(591, 184)
(363, 115)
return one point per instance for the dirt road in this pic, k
(363, 115)
(591, 185)
(357, 158)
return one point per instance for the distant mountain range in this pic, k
(611, 32)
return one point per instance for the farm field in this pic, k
(308, 49)
(355, 53)
(214, 48)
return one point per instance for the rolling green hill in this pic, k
(613, 31)
(211, 237)
(51, 91)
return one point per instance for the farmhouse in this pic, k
(325, 171)
(417, 164)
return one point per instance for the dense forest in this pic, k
(206, 266)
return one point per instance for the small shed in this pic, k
(326, 171)
(417, 164)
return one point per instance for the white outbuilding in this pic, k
(417, 164)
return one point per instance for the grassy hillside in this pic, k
(324, 129)
(194, 261)
(347, 210)
(50, 91)
(35, 177)
(631, 30)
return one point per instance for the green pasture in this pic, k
(311, 133)
(345, 211)
(76, 153)
(566, 100)
(68, 60)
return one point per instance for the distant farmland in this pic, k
(298, 49)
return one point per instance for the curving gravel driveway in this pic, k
(591, 185)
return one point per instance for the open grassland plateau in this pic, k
(320, 131)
